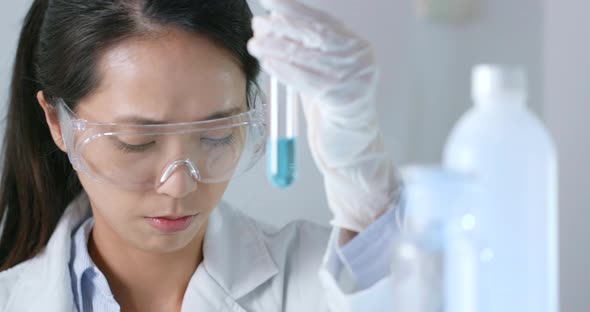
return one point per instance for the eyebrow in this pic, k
(138, 120)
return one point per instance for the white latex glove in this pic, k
(336, 74)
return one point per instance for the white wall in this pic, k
(567, 107)
(11, 16)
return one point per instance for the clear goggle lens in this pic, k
(143, 157)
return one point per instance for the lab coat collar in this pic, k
(235, 257)
(234, 252)
(43, 283)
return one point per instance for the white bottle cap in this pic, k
(498, 84)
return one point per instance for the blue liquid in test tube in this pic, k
(281, 148)
(281, 169)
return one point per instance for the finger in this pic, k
(336, 95)
(279, 27)
(293, 8)
(304, 80)
(313, 35)
(333, 64)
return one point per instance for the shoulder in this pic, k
(297, 250)
(299, 245)
(297, 238)
(15, 281)
(30, 279)
(291, 240)
(9, 279)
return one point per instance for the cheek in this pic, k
(123, 212)
(114, 205)
(205, 198)
(120, 206)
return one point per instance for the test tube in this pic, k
(281, 148)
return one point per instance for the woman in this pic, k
(128, 118)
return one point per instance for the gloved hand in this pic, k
(336, 74)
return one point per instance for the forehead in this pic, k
(173, 76)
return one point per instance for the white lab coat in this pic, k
(247, 266)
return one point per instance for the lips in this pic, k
(170, 224)
(171, 217)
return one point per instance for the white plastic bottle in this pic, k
(511, 155)
(435, 256)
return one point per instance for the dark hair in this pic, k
(60, 45)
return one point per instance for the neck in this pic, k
(143, 280)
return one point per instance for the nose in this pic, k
(179, 179)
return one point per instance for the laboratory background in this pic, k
(426, 50)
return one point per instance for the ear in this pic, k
(52, 121)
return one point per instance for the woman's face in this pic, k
(174, 77)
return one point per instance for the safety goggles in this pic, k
(142, 157)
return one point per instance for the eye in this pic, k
(228, 140)
(133, 148)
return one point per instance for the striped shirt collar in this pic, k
(90, 286)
